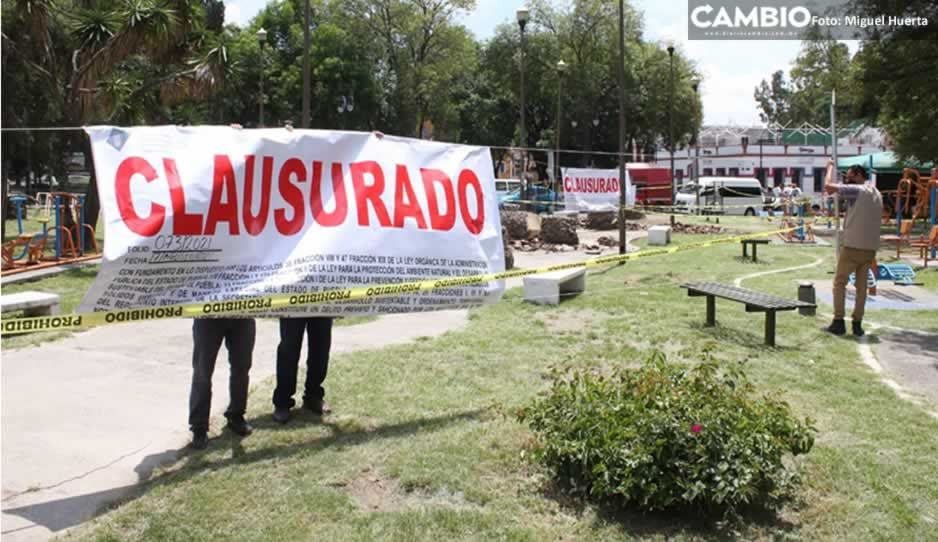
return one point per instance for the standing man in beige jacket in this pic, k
(859, 243)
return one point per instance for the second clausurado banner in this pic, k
(591, 190)
(213, 214)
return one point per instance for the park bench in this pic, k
(546, 288)
(31, 303)
(754, 301)
(754, 243)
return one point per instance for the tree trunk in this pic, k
(3, 222)
(92, 203)
(62, 156)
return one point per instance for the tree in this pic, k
(774, 99)
(895, 71)
(423, 55)
(103, 61)
(585, 35)
(822, 65)
(340, 62)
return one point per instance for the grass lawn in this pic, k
(424, 445)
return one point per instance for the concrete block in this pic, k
(659, 235)
(534, 225)
(31, 303)
(546, 288)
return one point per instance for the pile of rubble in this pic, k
(528, 231)
(506, 248)
(603, 221)
(530, 245)
(600, 221)
(516, 223)
(680, 227)
(559, 230)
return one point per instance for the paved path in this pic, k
(905, 360)
(87, 418)
(37, 274)
(911, 359)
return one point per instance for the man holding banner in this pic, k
(207, 336)
(319, 333)
(299, 225)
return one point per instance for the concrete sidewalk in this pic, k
(87, 418)
(912, 358)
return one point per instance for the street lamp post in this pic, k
(592, 142)
(347, 106)
(304, 121)
(262, 40)
(523, 14)
(621, 77)
(696, 86)
(561, 67)
(671, 118)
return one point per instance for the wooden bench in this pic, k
(755, 243)
(31, 303)
(546, 288)
(754, 301)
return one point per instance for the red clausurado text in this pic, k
(300, 185)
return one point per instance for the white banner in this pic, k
(592, 190)
(212, 213)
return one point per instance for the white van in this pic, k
(731, 195)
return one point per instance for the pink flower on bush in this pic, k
(696, 428)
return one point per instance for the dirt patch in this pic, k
(371, 491)
(570, 321)
(377, 493)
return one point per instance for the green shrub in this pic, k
(665, 436)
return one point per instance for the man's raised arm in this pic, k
(829, 186)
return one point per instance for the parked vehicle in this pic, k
(544, 198)
(729, 195)
(504, 187)
(652, 184)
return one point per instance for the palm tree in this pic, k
(99, 61)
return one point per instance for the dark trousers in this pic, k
(319, 332)
(207, 336)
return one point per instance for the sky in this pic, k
(731, 69)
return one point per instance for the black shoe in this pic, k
(239, 427)
(281, 415)
(858, 329)
(317, 407)
(199, 440)
(837, 327)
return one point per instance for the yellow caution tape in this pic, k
(645, 208)
(17, 326)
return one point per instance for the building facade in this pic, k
(778, 156)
